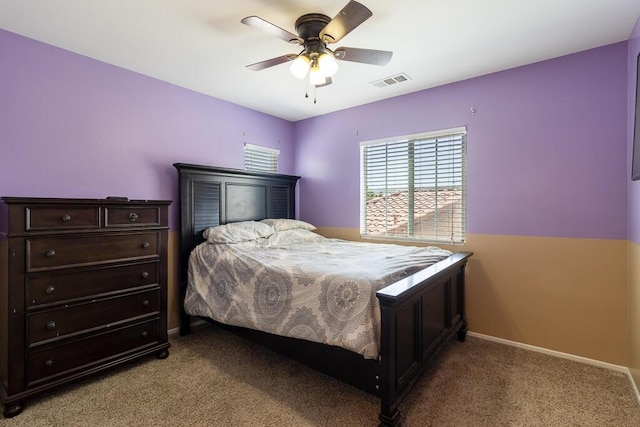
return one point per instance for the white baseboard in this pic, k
(555, 353)
(613, 367)
(634, 385)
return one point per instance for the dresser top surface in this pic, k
(56, 201)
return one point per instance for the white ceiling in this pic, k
(201, 44)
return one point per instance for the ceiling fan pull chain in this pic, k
(314, 94)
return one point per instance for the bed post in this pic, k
(460, 304)
(186, 233)
(389, 413)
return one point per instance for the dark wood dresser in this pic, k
(83, 288)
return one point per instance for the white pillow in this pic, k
(237, 232)
(295, 235)
(281, 224)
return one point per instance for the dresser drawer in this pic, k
(59, 252)
(56, 287)
(39, 218)
(135, 216)
(91, 315)
(85, 353)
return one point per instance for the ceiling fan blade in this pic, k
(274, 30)
(365, 56)
(327, 82)
(271, 62)
(352, 15)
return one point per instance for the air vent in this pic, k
(390, 81)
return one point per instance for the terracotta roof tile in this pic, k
(389, 214)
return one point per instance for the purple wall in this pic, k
(634, 186)
(71, 126)
(546, 147)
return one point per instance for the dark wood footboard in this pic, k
(419, 314)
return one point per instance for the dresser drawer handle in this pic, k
(144, 334)
(51, 325)
(145, 245)
(133, 216)
(49, 289)
(51, 253)
(145, 303)
(145, 274)
(49, 363)
(66, 218)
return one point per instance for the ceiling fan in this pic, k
(315, 32)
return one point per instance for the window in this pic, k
(260, 159)
(413, 187)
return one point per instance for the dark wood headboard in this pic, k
(211, 196)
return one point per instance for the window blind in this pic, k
(260, 159)
(414, 187)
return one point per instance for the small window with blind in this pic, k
(413, 187)
(260, 159)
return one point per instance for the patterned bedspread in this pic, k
(298, 284)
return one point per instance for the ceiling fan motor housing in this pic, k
(308, 28)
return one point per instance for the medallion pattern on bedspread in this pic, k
(304, 324)
(272, 299)
(312, 288)
(344, 303)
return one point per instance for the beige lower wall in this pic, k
(567, 295)
(562, 294)
(634, 312)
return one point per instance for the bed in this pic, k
(415, 314)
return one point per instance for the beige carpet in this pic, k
(214, 378)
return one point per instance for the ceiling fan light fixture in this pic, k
(316, 77)
(300, 66)
(328, 64)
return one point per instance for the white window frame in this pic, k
(388, 173)
(258, 158)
